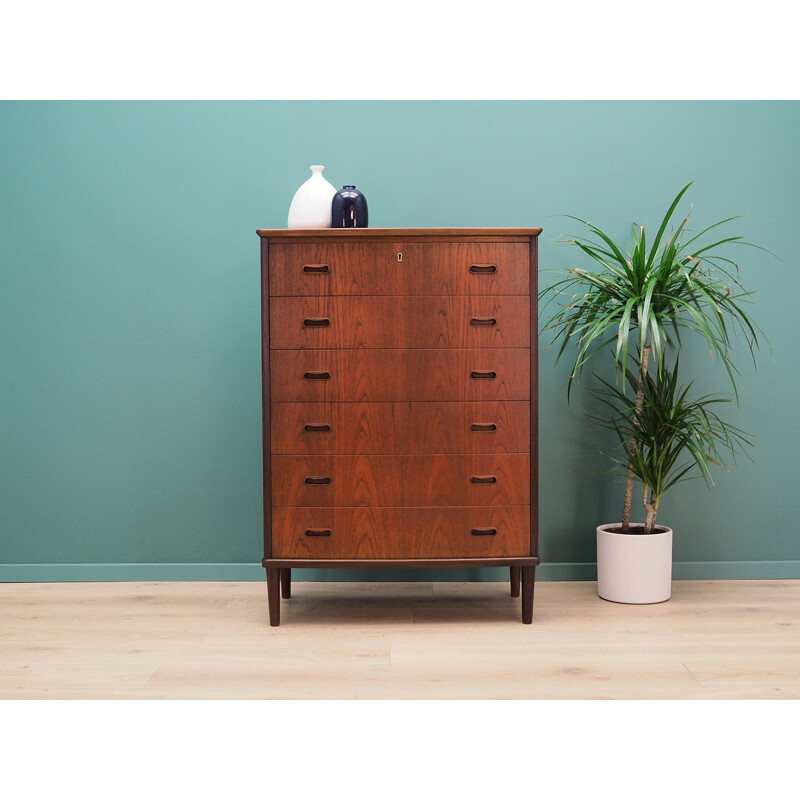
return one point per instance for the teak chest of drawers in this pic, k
(400, 401)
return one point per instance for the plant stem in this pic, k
(652, 510)
(626, 508)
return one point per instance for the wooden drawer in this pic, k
(401, 428)
(369, 533)
(430, 480)
(385, 375)
(359, 268)
(410, 322)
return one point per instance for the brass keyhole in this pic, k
(399, 256)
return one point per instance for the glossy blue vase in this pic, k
(349, 209)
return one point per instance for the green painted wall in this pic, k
(129, 309)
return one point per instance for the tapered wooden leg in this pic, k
(286, 583)
(515, 581)
(274, 596)
(528, 577)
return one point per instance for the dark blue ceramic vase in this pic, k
(349, 209)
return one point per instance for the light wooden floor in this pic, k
(713, 639)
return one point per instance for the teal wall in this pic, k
(129, 310)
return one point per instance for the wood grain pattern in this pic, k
(396, 234)
(429, 480)
(401, 389)
(413, 640)
(266, 422)
(386, 375)
(402, 563)
(405, 322)
(400, 428)
(373, 268)
(371, 533)
(534, 395)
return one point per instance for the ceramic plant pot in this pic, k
(311, 204)
(634, 567)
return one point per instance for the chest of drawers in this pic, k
(400, 401)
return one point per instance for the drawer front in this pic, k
(385, 375)
(399, 268)
(400, 428)
(408, 322)
(430, 480)
(370, 533)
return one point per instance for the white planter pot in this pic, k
(634, 568)
(312, 203)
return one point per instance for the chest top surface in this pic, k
(377, 234)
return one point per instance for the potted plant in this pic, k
(664, 433)
(637, 305)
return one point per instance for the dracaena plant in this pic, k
(639, 298)
(665, 434)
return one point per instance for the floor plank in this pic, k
(713, 639)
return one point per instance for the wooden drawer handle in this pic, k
(486, 374)
(317, 428)
(477, 269)
(483, 479)
(317, 376)
(318, 532)
(483, 426)
(316, 268)
(483, 531)
(317, 480)
(316, 322)
(480, 321)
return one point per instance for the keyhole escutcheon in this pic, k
(399, 256)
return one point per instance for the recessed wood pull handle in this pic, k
(482, 268)
(485, 374)
(479, 479)
(318, 532)
(316, 268)
(480, 321)
(483, 426)
(317, 376)
(317, 428)
(481, 531)
(316, 322)
(317, 480)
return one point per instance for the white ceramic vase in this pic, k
(634, 568)
(312, 202)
